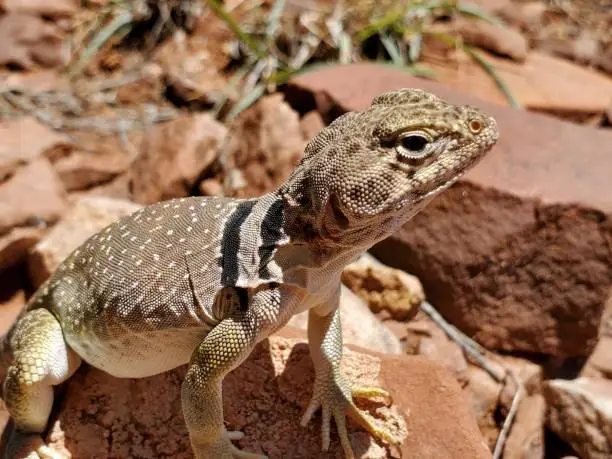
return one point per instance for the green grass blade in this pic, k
(393, 49)
(377, 26)
(488, 67)
(233, 26)
(469, 9)
(274, 18)
(415, 44)
(124, 18)
(247, 101)
(345, 48)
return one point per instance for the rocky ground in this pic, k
(517, 255)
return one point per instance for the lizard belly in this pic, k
(138, 355)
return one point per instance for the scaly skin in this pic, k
(203, 280)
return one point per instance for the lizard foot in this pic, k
(224, 449)
(335, 397)
(22, 445)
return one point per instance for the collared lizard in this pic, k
(201, 280)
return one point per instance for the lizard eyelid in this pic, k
(414, 147)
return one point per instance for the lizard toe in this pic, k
(335, 398)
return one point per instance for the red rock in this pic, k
(173, 156)
(526, 438)
(117, 188)
(105, 417)
(501, 40)
(265, 144)
(542, 82)
(439, 348)
(211, 187)
(35, 82)
(580, 412)
(11, 303)
(483, 392)
(82, 170)
(149, 89)
(518, 253)
(493, 6)
(599, 363)
(47, 8)
(27, 41)
(604, 60)
(14, 245)
(189, 68)
(23, 140)
(33, 194)
(310, 124)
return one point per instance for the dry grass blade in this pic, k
(468, 345)
(233, 86)
(486, 65)
(123, 18)
(503, 434)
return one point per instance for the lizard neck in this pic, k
(284, 232)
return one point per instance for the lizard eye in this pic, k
(413, 147)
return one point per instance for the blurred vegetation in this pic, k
(276, 39)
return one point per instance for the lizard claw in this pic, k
(335, 397)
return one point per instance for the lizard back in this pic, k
(126, 297)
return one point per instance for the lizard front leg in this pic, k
(332, 391)
(223, 349)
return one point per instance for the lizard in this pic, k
(201, 280)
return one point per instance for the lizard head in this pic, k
(382, 165)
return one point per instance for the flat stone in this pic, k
(84, 170)
(580, 412)
(438, 347)
(517, 254)
(501, 40)
(265, 397)
(311, 123)
(542, 82)
(33, 196)
(173, 156)
(23, 140)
